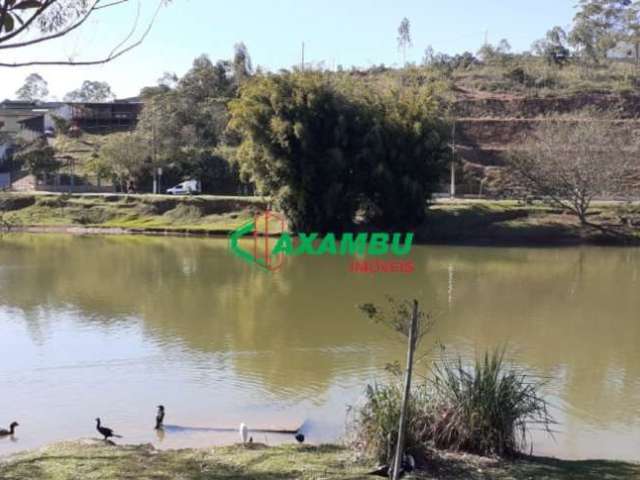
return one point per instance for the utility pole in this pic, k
(302, 59)
(154, 161)
(413, 333)
(452, 187)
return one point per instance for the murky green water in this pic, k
(113, 326)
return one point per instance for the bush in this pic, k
(486, 410)
(55, 201)
(39, 158)
(16, 202)
(518, 75)
(91, 216)
(375, 425)
(184, 213)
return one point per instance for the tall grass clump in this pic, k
(374, 426)
(487, 409)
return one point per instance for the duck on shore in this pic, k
(104, 431)
(244, 433)
(408, 465)
(160, 417)
(11, 431)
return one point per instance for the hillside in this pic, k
(488, 125)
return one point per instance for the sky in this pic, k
(337, 32)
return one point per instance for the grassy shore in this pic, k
(143, 213)
(478, 222)
(92, 459)
(509, 222)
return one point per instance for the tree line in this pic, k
(334, 150)
(36, 89)
(329, 150)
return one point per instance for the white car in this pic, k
(189, 187)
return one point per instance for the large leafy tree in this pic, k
(34, 88)
(183, 122)
(39, 158)
(91, 91)
(301, 140)
(599, 25)
(325, 151)
(123, 156)
(405, 155)
(553, 48)
(32, 22)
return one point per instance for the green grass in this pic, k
(461, 221)
(508, 222)
(204, 213)
(93, 460)
(613, 76)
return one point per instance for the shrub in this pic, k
(55, 201)
(184, 213)
(92, 216)
(39, 158)
(487, 409)
(374, 427)
(16, 202)
(518, 75)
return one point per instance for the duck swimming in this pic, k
(11, 431)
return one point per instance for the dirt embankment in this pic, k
(490, 125)
(471, 104)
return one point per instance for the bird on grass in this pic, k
(11, 431)
(244, 433)
(408, 465)
(105, 432)
(160, 417)
(299, 438)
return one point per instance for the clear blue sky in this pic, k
(338, 32)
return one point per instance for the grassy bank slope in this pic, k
(90, 460)
(483, 222)
(479, 222)
(145, 212)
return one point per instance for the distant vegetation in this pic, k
(571, 162)
(333, 148)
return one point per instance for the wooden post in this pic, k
(397, 464)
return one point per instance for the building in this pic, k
(101, 117)
(93, 117)
(27, 121)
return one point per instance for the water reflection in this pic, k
(182, 320)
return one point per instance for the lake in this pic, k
(112, 326)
